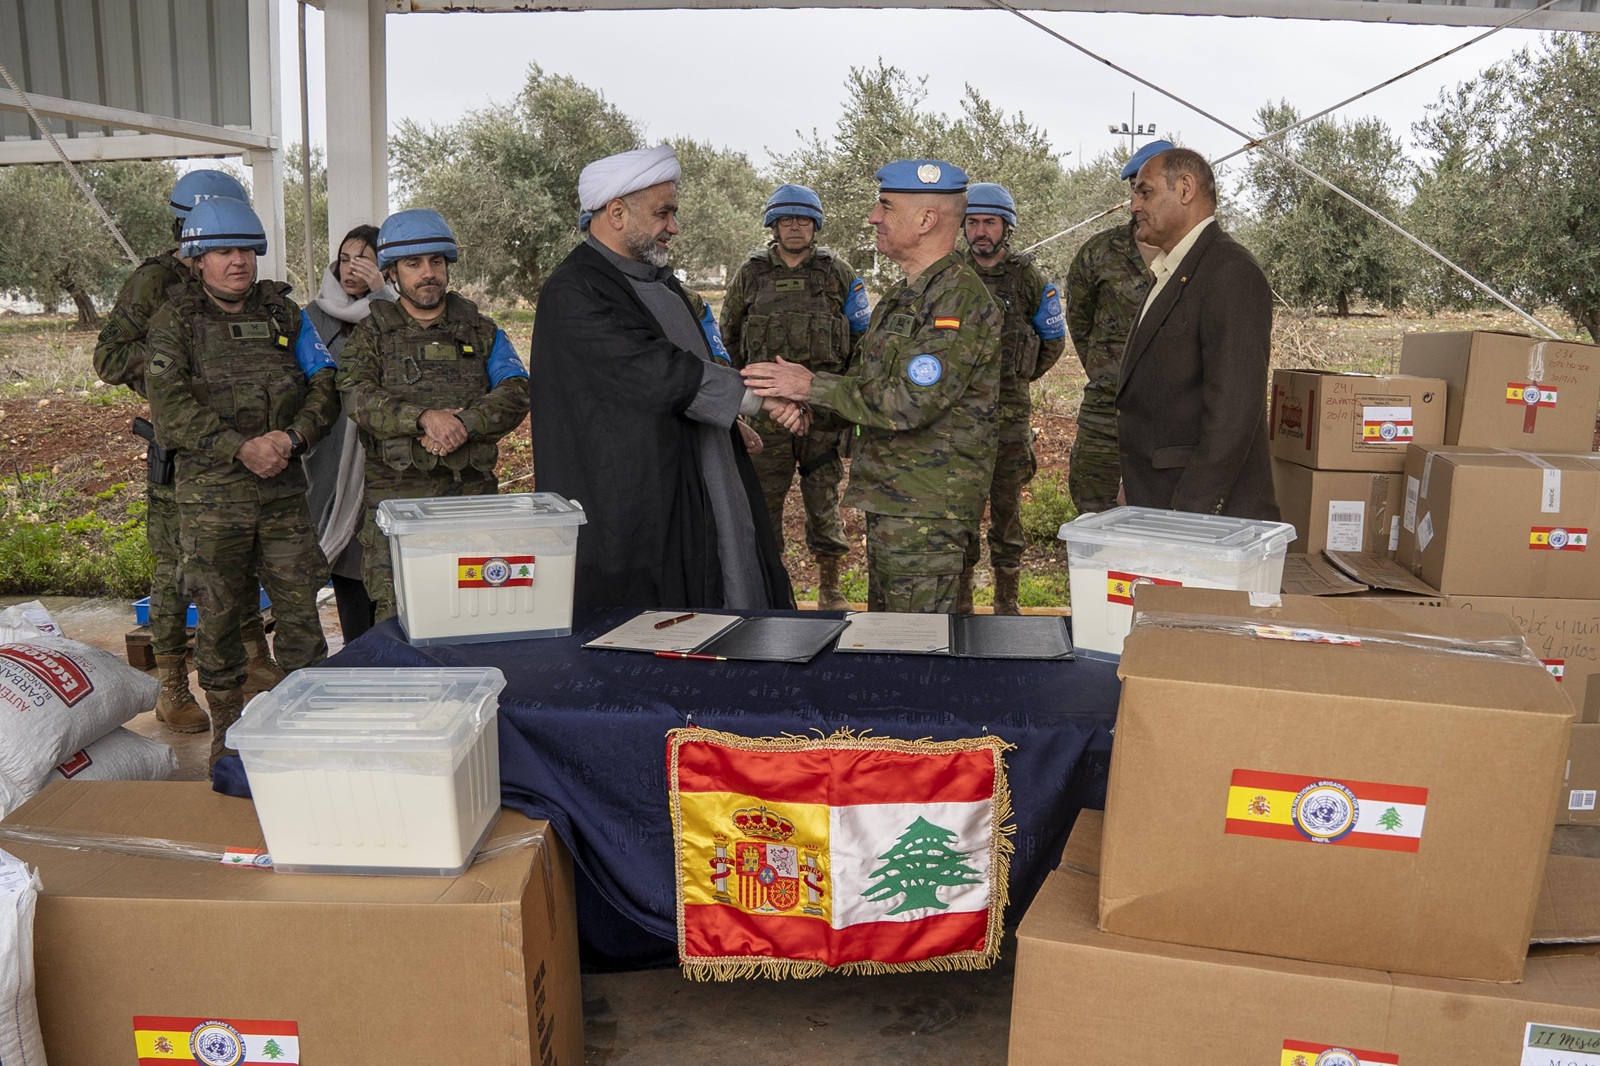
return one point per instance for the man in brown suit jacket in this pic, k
(1192, 400)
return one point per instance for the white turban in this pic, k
(617, 175)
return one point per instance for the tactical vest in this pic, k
(1019, 344)
(244, 368)
(796, 313)
(441, 367)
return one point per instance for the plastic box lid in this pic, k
(478, 513)
(384, 711)
(1180, 532)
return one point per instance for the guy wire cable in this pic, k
(1279, 134)
(83, 186)
(1255, 142)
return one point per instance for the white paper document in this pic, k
(882, 631)
(645, 632)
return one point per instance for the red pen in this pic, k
(665, 622)
(691, 655)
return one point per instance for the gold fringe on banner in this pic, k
(731, 967)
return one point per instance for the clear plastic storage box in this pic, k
(1112, 553)
(374, 771)
(477, 568)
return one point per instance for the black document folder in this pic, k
(775, 640)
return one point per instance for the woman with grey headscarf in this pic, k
(334, 467)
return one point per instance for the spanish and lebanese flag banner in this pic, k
(801, 855)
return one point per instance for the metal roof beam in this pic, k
(1570, 15)
(105, 149)
(117, 118)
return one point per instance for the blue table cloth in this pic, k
(583, 744)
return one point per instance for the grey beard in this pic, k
(644, 248)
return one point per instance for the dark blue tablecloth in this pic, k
(583, 744)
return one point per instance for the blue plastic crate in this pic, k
(141, 611)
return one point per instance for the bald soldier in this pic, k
(923, 394)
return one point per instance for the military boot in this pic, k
(176, 708)
(261, 672)
(964, 592)
(1006, 581)
(226, 707)
(829, 598)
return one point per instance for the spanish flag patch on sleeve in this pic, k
(947, 323)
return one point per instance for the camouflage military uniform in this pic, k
(391, 372)
(811, 314)
(923, 394)
(217, 380)
(1032, 338)
(120, 359)
(1105, 288)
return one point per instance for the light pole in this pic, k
(1131, 128)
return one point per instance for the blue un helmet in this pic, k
(793, 201)
(200, 185)
(1130, 170)
(987, 198)
(221, 223)
(419, 231)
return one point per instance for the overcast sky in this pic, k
(749, 80)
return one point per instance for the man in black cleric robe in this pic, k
(633, 416)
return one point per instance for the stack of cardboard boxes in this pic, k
(1325, 836)
(150, 948)
(1338, 448)
(1499, 516)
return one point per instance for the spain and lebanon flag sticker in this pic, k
(1358, 814)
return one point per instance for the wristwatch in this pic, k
(297, 443)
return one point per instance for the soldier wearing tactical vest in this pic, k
(240, 384)
(432, 385)
(1032, 338)
(801, 302)
(119, 359)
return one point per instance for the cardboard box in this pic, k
(1507, 390)
(1564, 634)
(1090, 998)
(1371, 575)
(358, 970)
(1278, 790)
(1353, 421)
(1339, 509)
(1491, 523)
(1578, 796)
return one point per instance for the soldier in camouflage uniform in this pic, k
(1031, 340)
(431, 384)
(801, 302)
(241, 386)
(119, 359)
(1105, 288)
(923, 395)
